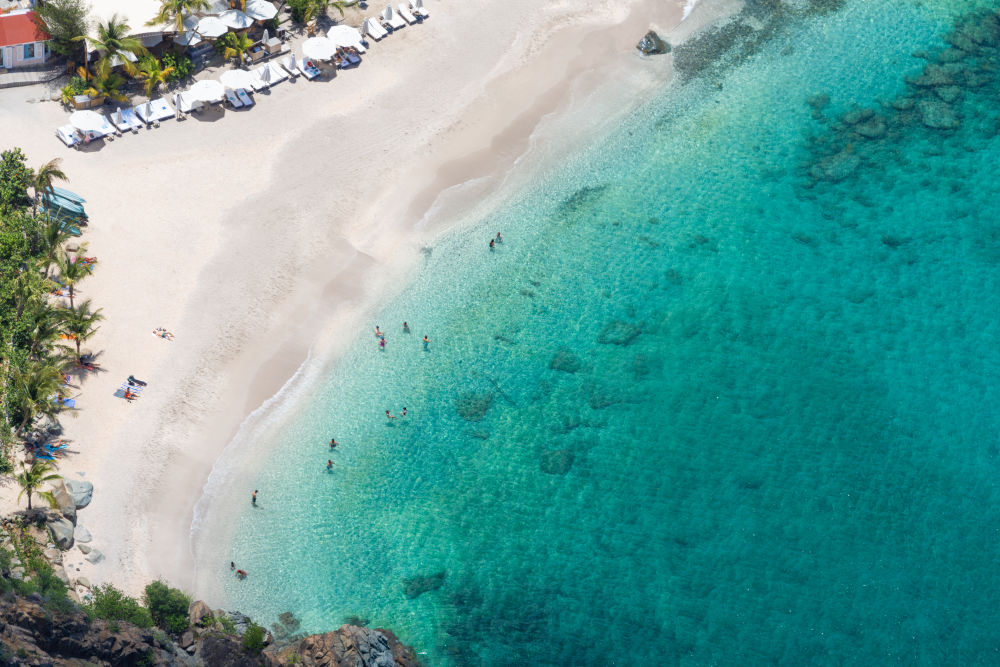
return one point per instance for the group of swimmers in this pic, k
(380, 336)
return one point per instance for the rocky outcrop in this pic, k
(350, 646)
(81, 491)
(31, 634)
(61, 530)
(651, 44)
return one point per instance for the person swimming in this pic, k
(329, 465)
(389, 415)
(406, 328)
(426, 342)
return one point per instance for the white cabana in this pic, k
(187, 38)
(87, 121)
(261, 10)
(207, 90)
(235, 19)
(320, 48)
(211, 27)
(345, 35)
(236, 78)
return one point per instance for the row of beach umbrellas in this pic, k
(211, 27)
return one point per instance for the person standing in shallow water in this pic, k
(329, 465)
(426, 341)
(499, 239)
(492, 245)
(333, 443)
(406, 328)
(253, 498)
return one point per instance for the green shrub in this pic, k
(298, 9)
(182, 66)
(113, 605)
(227, 625)
(224, 42)
(253, 639)
(168, 606)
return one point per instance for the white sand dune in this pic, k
(259, 234)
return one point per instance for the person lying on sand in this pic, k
(163, 333)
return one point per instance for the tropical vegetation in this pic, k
(305, 11)
(174, 12)
(234, 45)
(113, 41)
(153, 74)
(40, 336)
(65, 21)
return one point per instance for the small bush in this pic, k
(182, 66)
(253, 639)
(113, 605)
(168, 606)
(227, 625)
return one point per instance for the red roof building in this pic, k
(22, 43)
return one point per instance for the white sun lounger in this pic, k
(418, 8)
(133, 120)
(278, 74)
(155, 111)
(258, 82)
(107, 130)
(293, 70)
(244, 98)
(69, 136)
(390, 18)
(404, 11)
(373, 29)
(308, 69)
(233, 98)
(186, 105)
(124, 125)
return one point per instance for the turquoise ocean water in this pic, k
(726, 394)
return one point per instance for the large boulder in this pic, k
(349, 646)
(198, 612)
(61, 530)
(81, 490)
(223, 651)
(651, 44)
(82, 535)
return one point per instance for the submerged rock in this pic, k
(937, 115)
(617, 332)
(873, 128)
(565, 361)
(473, 407)
(836, 167)
(417, 586)
(948, 93)
(556, 461)
(651, 44)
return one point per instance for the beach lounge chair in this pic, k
(351, 54)
(153, 111)
(69, 136)
(418, 8)
(288, 62)
(234, 100)
(391, 20)
(373, 29)
(185, 105)
(308, 69)
(132, 119)
(404, 11)
(278, 74)
(261, 78)
(244, 98)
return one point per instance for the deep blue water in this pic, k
(726, 394)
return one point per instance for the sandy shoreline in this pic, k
(264, 234)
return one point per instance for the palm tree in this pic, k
(41, 180)
(70, 273)
(55, 232)
(79, 323)
(173, 11)
(47, 327)
(33, 392)
(31, 479)
(153, 74)
(114, 40)
(108, 85)
(237, 46)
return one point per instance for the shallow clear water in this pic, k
(775, 396)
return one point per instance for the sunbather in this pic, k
(163, 333)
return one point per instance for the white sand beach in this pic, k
(255, 236)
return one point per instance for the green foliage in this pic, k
(227, 624)
(180, 66)
(299, 9)
(113, 605)
(15, 178)
(113, 38)
(174, 11)
(153, 74)
(65, 21)
(253, 639)
(168, 606)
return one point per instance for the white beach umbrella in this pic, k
(151, 39)
(261, 10)
(345, 35)
(291, 61)
(87, 121)
(118, 116)
(208, 90)
(149, 109)
(236, 78)
(387, 13)
(116, 59)
(187, 38)
(266, 37)
(265, 74)
(217, 6)
(211, 27)
(320, 48)
(235, 19)
(419, 5)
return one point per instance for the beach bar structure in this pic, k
(22, 42)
